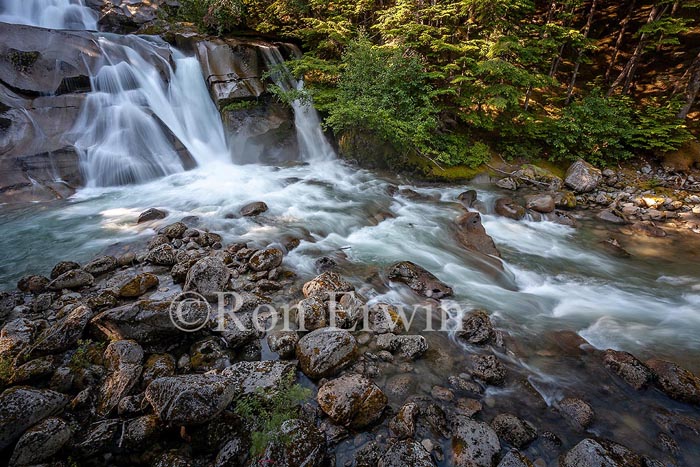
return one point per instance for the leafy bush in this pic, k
(267, 414)
(214, 15)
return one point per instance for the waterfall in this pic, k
(147, 99)
(55, 14)
(313, 144)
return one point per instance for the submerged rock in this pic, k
(476, 328)
(352, 400)
(676, 382)
(600, 453)
(406, 453)
(151, 214)
(253, 209)
(489, 369)
(515, 431)
(419, 280)
(474, 444)
(577, 411)
(627, 367)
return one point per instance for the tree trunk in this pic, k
(586, 30)
(691, 91)
(620, 38)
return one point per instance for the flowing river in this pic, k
(556, 278)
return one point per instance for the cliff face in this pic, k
(45, 77)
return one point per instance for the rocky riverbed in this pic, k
(97, 372)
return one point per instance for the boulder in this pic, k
(162, 255)
(138, 285)
(299, 443)
(66, 332)
(253, 209)
(41, 442)
(403, 425)
(578, 412)
(489, 369)
(63, 267)
(600, 453)
(174, 230)
(540, 202)
(419, 280)
(627, 367)
(676, 382)
(328, 285)
(514, 458)
(467, 198)
(406, 453)
(124, 362)
(150, 323)
(73, 279)
(408, 347)
(283, 343)
(472, 235)
(515, 431)
(208, 277)
(264, 260)
(16, 335)
(474, 444)
(22, 407)
(324, 352)
(157, 366)
(612, 216)
(506, 207)
(190, 399)
(311, 313)
(151, 214)
(101, 265)
(265, 377)
(476, 328)
(33, 284)
(352, 401)
(582, 177)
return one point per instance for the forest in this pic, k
(453, 80)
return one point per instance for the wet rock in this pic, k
(264, 260)
(325, 263)
(565, 200)
(477, 328)
(540, 203)
(582, 177)
(231, 454)
(62, 268)
(157, 366)
(151, 214)
(468, 407)
(474, 444)
(597, 453)
(101, 265)
(577, 411)
(609, 215)
(327, 285)
(467, 198)
(353, 309)
(41, 442)
(150, 323)
(442, 394)
(472, 235)
(488, 369)
(299, 443)
(73, 279)
(676, 382)
(138, 285)
(157, 241)
(514, 458)
(22, 407)
(208, 354)
(409, 347)
(139, 431)
(123, 360)
(208, 277)
(33, 284)
(324, 352)
(507, 183)
(405, 453)
(15, 336)
(311, 313)
(627, 367)
(403, 425)
(253, 209)
(190, 399)
(419, 280)
(241, 329)
(65, 334)
(162, 255)
(283, 343)
(382, 318)
(352, 400)
(34, 369)
(506, 207)
(175, 230)
(515, 431)
(263, 378)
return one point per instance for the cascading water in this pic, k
(313, 144)
(147, 99)
(56, 14)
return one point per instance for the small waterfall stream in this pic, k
(55, 14)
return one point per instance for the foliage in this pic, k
(6, 370)
(213, 15)
(266, 413)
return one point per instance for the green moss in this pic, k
(23, 61)
(7, 369)
(241, 105)
(87, 353)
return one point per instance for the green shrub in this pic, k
(213, 15)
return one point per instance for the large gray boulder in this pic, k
(208, 277)
(474, 444)
(41, 442)
(22, 407)
(324, 352)
(352, 400)
(582, 177)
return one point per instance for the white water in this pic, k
(55, 14)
